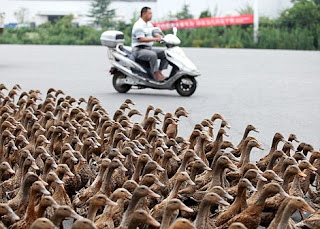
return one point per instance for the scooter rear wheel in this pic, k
(118, 83)
(186, 85)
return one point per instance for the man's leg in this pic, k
(151, 57)
(162, 56)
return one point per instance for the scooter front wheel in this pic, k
(118, 83)
(186, 85)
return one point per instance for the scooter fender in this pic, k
(176, 56)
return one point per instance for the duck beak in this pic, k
(110, 202)
(160, 169)
(134, 155)
(75, 216)
(252, 188)
(186, 209)
(58, 181)
(228, 196)
(260, 147)
(225, 134)
(233, 167)
(175, 157)
(153, 222)
(260, 177)
(282, 192)
(11, 171)
(223, 202)
(43, 182)
(121, 156)
(207, 168)
(34, 166)
(307, 208)
(160, 183)
(301, 174)
(191, 182)
(153, 194)
(13, 216)
(123, 168)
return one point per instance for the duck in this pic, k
(5, 171)
(20, 201)
(217, 143)
(249, 128)
(170, 212)
(263, 162)
(238, 205)
(251, 216)
(83, 224)
(95, 203)
(139, 192)
(270, 176)
(37, 189)
(46, 201)
(106, 185)
(237, 226)
(6, 210)
(181, 177)
(202, 220)
(313, 221)
(141, 217)
(217, 173)
(62, 212)
(112, 214)
(182, 223)
(42, 223)
(290, 206)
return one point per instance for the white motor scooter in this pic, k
(128, 73)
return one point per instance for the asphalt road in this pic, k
(276, 91)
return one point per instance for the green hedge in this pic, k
(271, 36)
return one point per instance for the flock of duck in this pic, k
(67, 162)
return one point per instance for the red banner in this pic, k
(206, 22)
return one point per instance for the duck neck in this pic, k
(92, 211)
(203, 215)
(261, 199)
(246, 158)
(133, 203)
(194, 172)
(41, 210)
(175, 190)
(98, 181)
(183, 165)
(137, 172)
(57, 220)
(106, 187)
(30, 213)
(271, 162)
(217, 176)
(274, 145)
(286, 180)
(166, 219)
(134, 223)
(288, 211)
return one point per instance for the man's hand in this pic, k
(158, 38)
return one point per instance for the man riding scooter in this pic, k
(142, 41)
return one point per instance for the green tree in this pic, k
(101, 12)
(205, 13)
(184, 13)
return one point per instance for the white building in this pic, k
(40, 11)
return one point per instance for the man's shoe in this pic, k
(159, 76)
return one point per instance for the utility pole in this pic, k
(255, 22)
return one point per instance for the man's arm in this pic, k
(150, 39)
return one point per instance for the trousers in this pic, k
(151, 55)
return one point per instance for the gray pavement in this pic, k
(276, 91)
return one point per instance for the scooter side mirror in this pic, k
(174, 30)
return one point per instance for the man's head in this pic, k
(146, 14)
